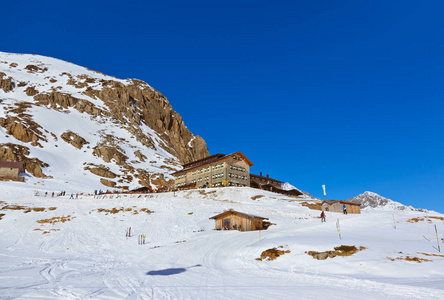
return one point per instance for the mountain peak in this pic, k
(66, 121)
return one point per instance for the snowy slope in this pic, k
(89, 257)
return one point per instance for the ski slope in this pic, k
(89, 256)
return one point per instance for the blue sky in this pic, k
(348, 93)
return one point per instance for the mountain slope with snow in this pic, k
(89, 256)
(66, 121)
(372, 200)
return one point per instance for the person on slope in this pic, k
(344, 209)
(322, 216)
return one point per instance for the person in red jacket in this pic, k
(322, 216)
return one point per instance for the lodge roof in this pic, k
(339, 201)
(264, 177)
(211, 159)
(11, 164)
(237, 213)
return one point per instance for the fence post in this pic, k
(338, 229)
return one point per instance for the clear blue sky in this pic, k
(349, 93)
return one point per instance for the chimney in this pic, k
(268, 176)
(261, 174)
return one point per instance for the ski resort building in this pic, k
(336, 206)
(10, 170)
(270, 184)
(234, 220)
(215, 170)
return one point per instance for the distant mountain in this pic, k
(370, 200)
(69, 123)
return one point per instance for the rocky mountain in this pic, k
(66, 121)
(372, 200)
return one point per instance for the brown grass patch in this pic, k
(190, 213)
(310, 205)
(257, 197)
(409, 258)
(272, 254)
(420, 219)
(25, 208)
(431, 254)
(342, 250)
(1, 216)
(56, 220)
(116, 210)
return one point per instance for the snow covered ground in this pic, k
(89, 256)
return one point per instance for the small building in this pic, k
(336, 206)
(234, 220)
(215, 170)
(11, 170)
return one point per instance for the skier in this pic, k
(344, 209)
(72, 196)
(322, 216)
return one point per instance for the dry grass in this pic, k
(420, 219)
(342, 250)
(1, 216)
(116, 210)
(56, 220)
(311, 205)
(26, 209)
(272, 254)
(190, 213)
(409, 258)
(257, 197)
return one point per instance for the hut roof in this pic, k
(264, 177)
(238, 213)
(10, 164)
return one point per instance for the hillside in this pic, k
(59, 248)
(66, 121)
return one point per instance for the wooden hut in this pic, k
(11, 170)
(231, 219)
(336, 206)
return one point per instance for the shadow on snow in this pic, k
(171, 271)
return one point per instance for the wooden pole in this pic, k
(338, 229)
(259, 235)
(437, 239)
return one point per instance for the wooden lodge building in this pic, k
(336, 206)
(270, 184)
(234, 220)
(215, 170)
(10, 170)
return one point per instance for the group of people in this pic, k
(344, 211)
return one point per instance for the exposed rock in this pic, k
(109, 153)
(35, 69)
(102, 172)
(6, 84)
(140, 155)
(23, 129)
(74, 139)
(108, 182)
(31, 91)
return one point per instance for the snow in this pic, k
(184, 258)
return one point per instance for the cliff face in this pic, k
(123, 125)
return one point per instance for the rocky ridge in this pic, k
(121, 130)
